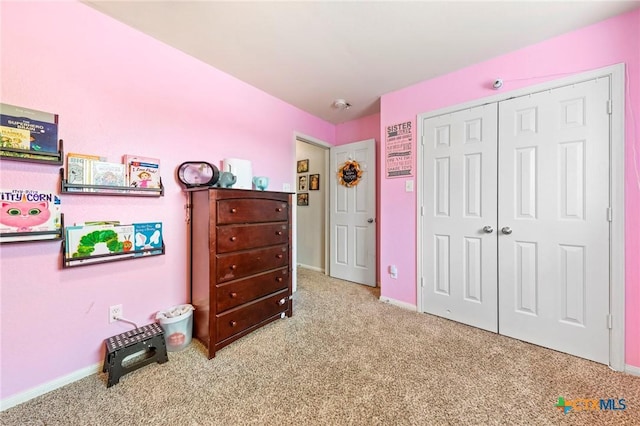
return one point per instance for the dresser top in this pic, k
(233, 190)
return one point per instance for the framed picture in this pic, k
(303, 166)
(314, 182)
(303, 199)
(303, 183)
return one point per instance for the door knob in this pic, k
(370, 220)
(506, 230)
(488, 229)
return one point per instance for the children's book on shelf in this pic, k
(15, 138)
(83, 242)
(42, 127)
(28, 210)
(79, 169)
(106, 173)
(99, 222)
(148, 235)
(142, 172)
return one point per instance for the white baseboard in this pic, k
(398, 303)
(631, 369)
(17, 399)
(313, 268)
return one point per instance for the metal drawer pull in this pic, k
(233, 295)
(234, 210)
(279, 256)
(278, 232)
(233, 238)
(279, 209)
(279, 279)
(282, 301)
(233, 323)
(233, 267)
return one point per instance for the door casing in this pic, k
(326, 146)
(616, 190)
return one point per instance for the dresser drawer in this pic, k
(244, 210)
(240, 237)
(236, 293)
(236, 265)
(241, 318)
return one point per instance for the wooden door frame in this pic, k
(616, 192)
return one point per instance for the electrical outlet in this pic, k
(393, 271)
(115, 313)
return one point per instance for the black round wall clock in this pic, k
(198, 173)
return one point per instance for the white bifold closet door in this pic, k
(515, 223)
(554, 197)
(460, 211)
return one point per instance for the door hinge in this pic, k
(609, 214)
(422, 140)
(421, 282)
(609, 321)
(609, 107)
(421, 210)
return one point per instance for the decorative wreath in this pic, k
(350, 173)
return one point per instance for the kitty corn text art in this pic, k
(27, 210)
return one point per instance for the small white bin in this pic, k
(177, 324)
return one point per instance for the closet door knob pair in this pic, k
(505, 230)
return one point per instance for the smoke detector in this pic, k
(341, 104)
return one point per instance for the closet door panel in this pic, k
(553, 197)
(460, 216)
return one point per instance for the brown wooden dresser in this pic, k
(240, 262)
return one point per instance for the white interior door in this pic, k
(352, 215)
(460, 218)
(549, 207)
(554, 200)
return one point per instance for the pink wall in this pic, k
(613, 41)
(117, 91)
(358, 130)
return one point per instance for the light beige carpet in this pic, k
(345, 358)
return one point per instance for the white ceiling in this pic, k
(310, 53)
